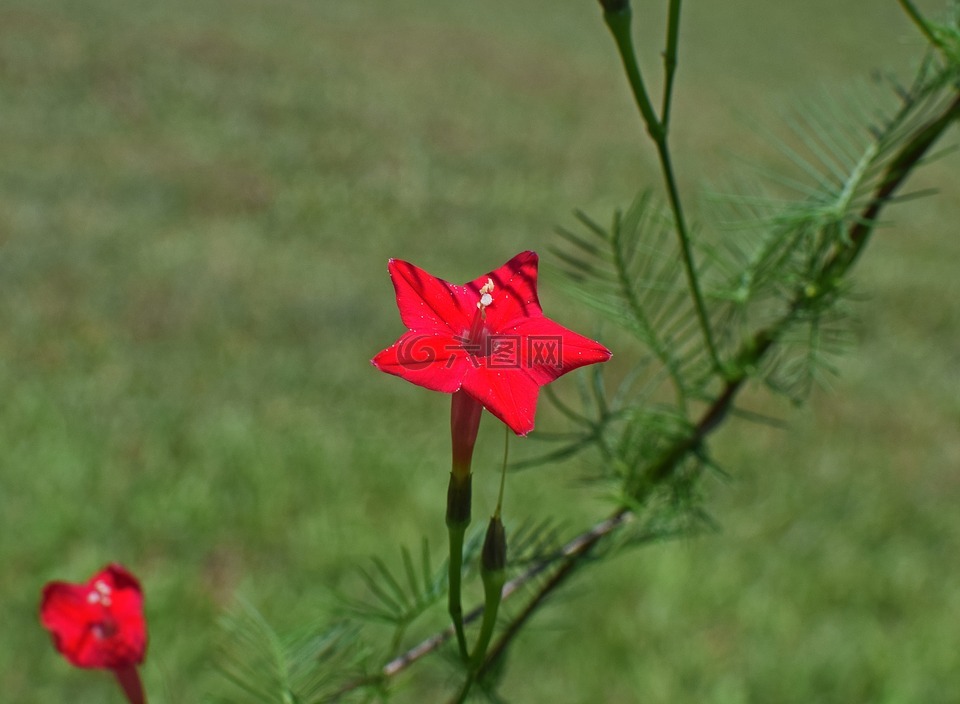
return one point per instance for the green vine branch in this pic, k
(618, 20)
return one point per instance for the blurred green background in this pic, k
(197, 202)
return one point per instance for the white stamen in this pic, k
(100, 594)
(485, 298)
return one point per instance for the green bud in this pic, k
(494, 555)
(615, 5)
(459, 493)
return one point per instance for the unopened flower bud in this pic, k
(459, 493)
(615, 5)
(494, 555)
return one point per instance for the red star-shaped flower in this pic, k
(487, 338)
(99, 624)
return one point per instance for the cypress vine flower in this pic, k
(100, 624)
(486, 340)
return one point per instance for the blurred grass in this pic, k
(197, 200)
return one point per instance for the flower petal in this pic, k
(509, 394)
(549, 350)
(429, 304)
(515, 291)
(435, 362)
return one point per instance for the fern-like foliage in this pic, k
(267, 668)
(398, 599)
(631, 273)
(786, 273)
(534, 542)
(777, 292)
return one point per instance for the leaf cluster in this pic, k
(269, 668)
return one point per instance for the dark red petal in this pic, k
(118, 577)
(514, 293)
(509, 394)
(435, 362)
(548, 350)
(429, 304)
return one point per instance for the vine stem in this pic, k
(918, 20)
(670, 59)
(619, 22)
(454, 604)
(493, 560)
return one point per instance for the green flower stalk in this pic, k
(493, 573)
(493, 561)
(618, 17)
(464, 424)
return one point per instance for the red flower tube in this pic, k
(100, 625)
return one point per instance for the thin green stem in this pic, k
(493, 574)
(459, 499)
(666, 164)
(670, 60)
(465, 690)
(918, 20)
(503, 470)
(619, 25)
(492, 592)
(454, 602)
